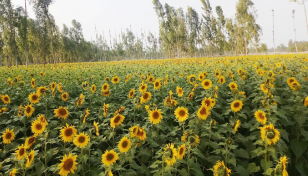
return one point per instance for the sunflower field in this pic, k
(221, 116)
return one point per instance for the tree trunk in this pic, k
(26, 49)
(305, 15)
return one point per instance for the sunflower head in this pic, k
(68, 133)
(37, 127)
(109, 157)
(270, 134)
(81, 140)
(181, 113)
(131, 93)
(206, 84)
(8, 136)
(115, 80)
(116, 120)
(64, 96)
(181, 151)
(61, 112)
(146, 96)
(21, 152)
(155, 116)
(124, 145)
(236, 105)
(221, 169)
(30, 141)
(170, 154)
(6, 99)
(68, 164)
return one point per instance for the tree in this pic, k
(263, 48)
(303, 3)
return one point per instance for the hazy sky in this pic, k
(115, 15)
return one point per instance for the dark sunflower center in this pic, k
(34, 97)
(192, 79)
(8, 135)
(62, 112)
(68, 164)
(156, 84)
(117, 119)
(131, 93)
(207, 102)
(203, 111)
(21, 151)
(81, 139)
(31, 140)
(105, 87)
(180, 90)
(155, 115)
(217, 73)
(143, 87)
(206, 83)
(110, 157)
(38, 126)
(261, 116)
(64, 96)
(237, 104)
(53, 86)
(270, 134)
(145, 96)
(124, 144)
(115, 79)
(32, 82)
(182, 113)
(233, 86)
(221, 79)
(68, 132)
(151, 79)
(28, 110)
(291, 80)
(30, 157)
(181, 151)
(140, 133)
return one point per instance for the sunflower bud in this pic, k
(270, 134)
(191, 139)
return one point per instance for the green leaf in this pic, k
(183, 172)
(298, 148)
(241, 153)
(266, 165)
(253, 168)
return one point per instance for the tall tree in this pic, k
(303, 3)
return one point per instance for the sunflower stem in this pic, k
(189, 147)
(265, 153)
(82, 162)
(25, 122)
(162, 171)
(46, 135)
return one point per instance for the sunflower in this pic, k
(291, 80)
(96, 128)
(67, 165)
(146, 96)
(264, 88)
(209, 102)
(34, 98)
(282, 166)
(86, 115)
(106, 94)
(13, 172)
(233, 86)
(115, 80)
(203, 112)
(238, 123)
(110, 173)
(217, 74)
(216, 92)
(93, 89)
(306, 102)
(191, 79)
(68, 133)
(37, 127)
(105, 109)
(116, 120)
(220, 169)
(30, 158)
(85, 85)
(33, 83)
(109, 157)
(206, 84)
(151, 79)
(9, 81)
(181, 114)
(120, 110)
(236, 105)
(21, 152)
(181, 151)
(61, 112)
(143, 87)
(260, 116)
(169, 102)
(107, 79)
(157, 84)
(8, 136)
(295, 85)
(131, 93)
(141, 134)
(81, 140)
(53, 85)
(191, 138)
(124, 145)
(133, 131)
(6, 99)
(222, 80)
(64, 96)
(201, 76)
(179, 91)
(41, 90)
(190, 96)
(41, 74)
(269, 133)
(30, 141)
(155, 116)
(195, 87)
(170, 154)
(60, 89)
(42, 119)
(80, 100)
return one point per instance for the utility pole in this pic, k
(274, 31)
(293, 12)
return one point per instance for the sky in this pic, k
(117, 15)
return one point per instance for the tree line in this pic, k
(26, 41)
